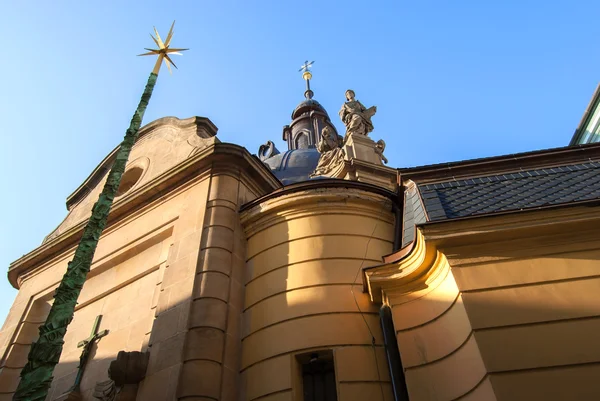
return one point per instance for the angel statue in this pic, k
(355, 116)
(332, 155)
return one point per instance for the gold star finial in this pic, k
(163, 50)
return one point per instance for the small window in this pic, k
(129, 179)
(302, 140)
(318, 376)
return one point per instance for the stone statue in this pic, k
(332, 155)
(355, 116)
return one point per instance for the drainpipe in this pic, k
(398, 228)
(393, 354)
(398, 211)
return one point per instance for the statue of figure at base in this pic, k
(355, 116)
(332, 155)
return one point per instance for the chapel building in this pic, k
(321, 273)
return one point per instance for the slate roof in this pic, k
(510, 192)
(414, 214)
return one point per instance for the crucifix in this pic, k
(87, 347)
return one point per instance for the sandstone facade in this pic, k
(235, 284)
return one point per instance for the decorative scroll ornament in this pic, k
(267, 150)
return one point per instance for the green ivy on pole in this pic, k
(44, 354)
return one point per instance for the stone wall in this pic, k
(122, 287)
(166, 276)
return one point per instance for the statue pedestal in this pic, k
(364, 163)
(363, 148)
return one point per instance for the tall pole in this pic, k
(44, 354)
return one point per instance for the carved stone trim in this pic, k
(418, 270)
(185, 172)
(330, 200)
(203, 127)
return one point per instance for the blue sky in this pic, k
(451, 80)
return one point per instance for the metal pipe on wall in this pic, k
(393, 354)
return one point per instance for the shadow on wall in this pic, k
(520, 329)
(524, 329)
(304, 295)
(128, 331)
(64, 376)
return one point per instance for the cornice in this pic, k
(314, 203)
(313, 198)
(320, 184)
(415, 270)
(203, 126)
(483, 229)
(482, 240)
(516, 236)
(375, 168)
(192, 169)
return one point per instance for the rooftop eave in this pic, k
(474, 240)
(500, 164)
(565, 219)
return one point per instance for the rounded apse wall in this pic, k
(304, 289)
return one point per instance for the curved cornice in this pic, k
(320, 184)
(416, 269)
(317, 197)
(482, 239)
(203, 126)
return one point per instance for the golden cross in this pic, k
(163, 50)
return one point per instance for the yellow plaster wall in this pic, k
(304, 255)
(499, 308)
(439, 353)
(536, 321)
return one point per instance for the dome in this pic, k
(307, 106)
(294, 165)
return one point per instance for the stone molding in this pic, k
(419, 269)
(529, 234)
(319, 200)
(513, 236)
(202, 126)
(190, 170)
